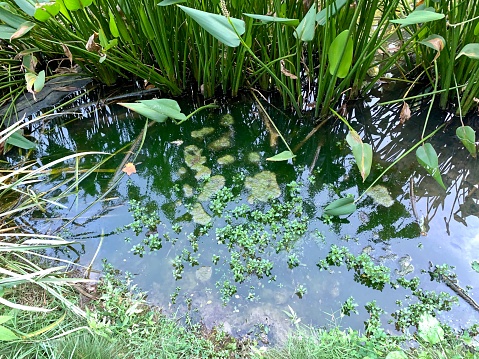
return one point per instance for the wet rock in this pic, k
(200, 134)
(214, 184)
(263, 187)
(380, 195)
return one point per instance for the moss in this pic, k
(380, 195)
(263, 187)
(254, 157)
(202, 133)
(226, 160)
(214, 184)
(227, 120)
(221, 143)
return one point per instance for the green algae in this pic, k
(227, 120)
(199, 215)
(380, 195)
(254, 157)
(214, 184)
(195, 161)
(182, 171)
(263, 187)
(226, 160)
(187, 191)
(202, 133)
(221, 143)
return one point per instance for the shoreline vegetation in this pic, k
(317, 55)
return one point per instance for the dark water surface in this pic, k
(324, 168)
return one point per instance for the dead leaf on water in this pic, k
(129, 169)
(405, 113)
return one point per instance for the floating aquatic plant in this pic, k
(263, 187)
(202, 133)
(199, 215)
(380, 195)
(213, 184)
(221, 143)
(226, 160)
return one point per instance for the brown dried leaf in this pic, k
(405, 113)
(129, 169)
(68, 53)
(92, 45)
(286, 72)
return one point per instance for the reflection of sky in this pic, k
(391, 232)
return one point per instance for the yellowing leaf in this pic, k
(129, 169)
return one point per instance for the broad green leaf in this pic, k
(397, 354)
(305, 30)
(39, 81)
(468, 138)
(6, 334)
(435, 42)
(9, 18)
(470, 50)
(27, 6)
(112, 24)
(418, 16)
(363, 153)
(44, 11)
(218, 26)
(22, 30)
(340, 207)
(6, 32)
(329, 11)
(267, 19)
(5, 318)
(427, 157)
(476, 29)
(157, 110)
(475, 266)
(283, 156)
(74, 5)
(170, 2)
(16, 139)
(340, 55)
(430, 330)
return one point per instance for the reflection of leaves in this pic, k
(129, 169)
(475, 266)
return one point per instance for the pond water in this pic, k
(248, 255)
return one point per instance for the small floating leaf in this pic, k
(226, 30)
(470, 50)
(427, 157)
(363, 153)
(283, 156)
(157, 110)
(340, 55)
(305, 30)
(475, 266)
(468, 138)
(419, 16)
(129, 169)
(340, 207)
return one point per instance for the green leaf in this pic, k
(329, 11)
(470, 50)
(427, 157)
(363, 153)
(39, 81)
(23, 29)
(475, 266)
(16, 139)
(435, 42)
(26, 6)
(419, 16)
(6, 32)
(112, 24)
(340, 55)
(305, 30)
(157, 110)
(468, 138)
(476, 29)
(6, 334)
(430, 330)
(9, 18)
(218, 26)
(397, 354)
(44, 11)
(5, 318)
(170, 2)
(340, 207)
(74, 5)
(283, 156)
(266, 19)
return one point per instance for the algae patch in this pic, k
(263, 187)
(254, 157)
(380, 195)
(227, 120)
(195, 161)
(199, 215)
(214, 184)
(226, 160)
(202, 133)
(221, 143)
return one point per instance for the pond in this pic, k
(207, 224)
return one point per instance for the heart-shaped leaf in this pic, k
(305, 30)
(419, 16)
(74, 5)
(157, 110)
(44, 11)
(470, 50)
(283, 156)
(340, 55)
(341, 206)
(435, 42)
(427, 157)
(218, 26)
(468, 138)
(363, 153)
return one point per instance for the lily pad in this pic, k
(263, 187)
(226, 160)
(203, 274)
(221, 143)
(214, 184)
(199, 215)
(202, 133)
(380, 195)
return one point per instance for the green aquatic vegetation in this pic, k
(195, 161)
(225, 160)
(202, 133)
(227, 120)
(349, 306)
(300, 291)
(211, 186)
(263, 187)
(199, 214)
(254, 157)
(293, 261)
(221, 143)
(187, 190)
(226, 289)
